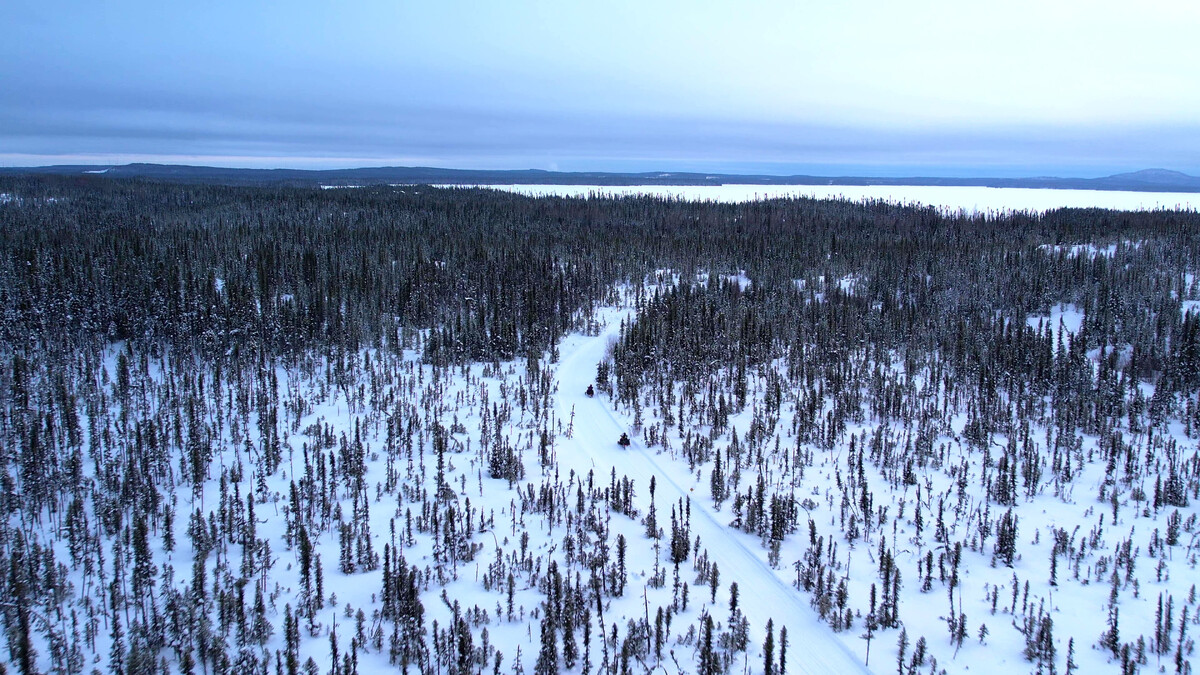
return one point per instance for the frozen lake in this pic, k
(945, 198)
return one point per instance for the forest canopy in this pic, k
(204, 388)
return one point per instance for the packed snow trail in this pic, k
(813, 648)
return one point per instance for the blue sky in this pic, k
(946, 87)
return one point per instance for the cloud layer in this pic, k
(891, 88)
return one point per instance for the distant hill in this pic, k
(1148, 180)
(1158, 178)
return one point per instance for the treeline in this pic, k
(496, 274)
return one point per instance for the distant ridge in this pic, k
(1162, 177)
(1147, 180)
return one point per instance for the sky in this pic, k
(856, 87)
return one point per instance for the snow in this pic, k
(586, 429)
(743, 282)
(949, 199)
(10, 198)
(1077, 603)
(1063, 320)
(739, 556)
(1087, 250)
(1097, 513)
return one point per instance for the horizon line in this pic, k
(197, 163)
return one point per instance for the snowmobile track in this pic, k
(763, 594)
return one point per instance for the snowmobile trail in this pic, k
(813, 648)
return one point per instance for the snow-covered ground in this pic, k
(1088, 250)
(1063, 320)
(946, 198)
(765, 592)
(1079, 542)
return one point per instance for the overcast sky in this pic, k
(948, 87)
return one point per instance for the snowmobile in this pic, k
(624, 440)
(590, 391)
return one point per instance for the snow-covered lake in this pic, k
(945, 198)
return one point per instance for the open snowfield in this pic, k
(948, 199)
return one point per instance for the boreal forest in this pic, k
(288, 430)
